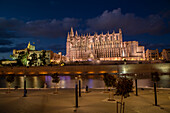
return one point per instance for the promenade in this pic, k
(44, 101)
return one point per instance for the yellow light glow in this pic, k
(91, 72)
(102, 72)
(43, 73)
(10, 72)
(32, 73)
(78, 72)
(20, 73)
(114, 72)
(54, 72)
(66, 72)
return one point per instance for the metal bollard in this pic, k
(76, 95)
(86, 88)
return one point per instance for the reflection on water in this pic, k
(69, 82)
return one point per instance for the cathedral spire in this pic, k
(101, 34)
(87, 34)
(120, 31)
(68, 37)
(113, 32)
(71, 33)
(76, 33)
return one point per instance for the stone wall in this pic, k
(162, 68)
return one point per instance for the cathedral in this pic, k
(103, 47)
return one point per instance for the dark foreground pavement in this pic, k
(44, 101)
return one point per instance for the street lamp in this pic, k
(136, 84)
(79, 85)
(25, 90)
(76, 92)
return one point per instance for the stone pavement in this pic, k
(44, 101)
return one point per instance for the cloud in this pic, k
(14, 28)
(5, 42)
(10, 28)
(158, 46)
(18, 46)
(50, 28)
(107, 21)
(131, 24)
(5, 49)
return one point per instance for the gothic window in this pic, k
(93, 39)
(116, 37)
(91, 47)
(105, 38)
(99, 39)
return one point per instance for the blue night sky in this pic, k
(47, 22)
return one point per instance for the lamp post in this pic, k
(25, 90)
(136, 85)
(79, 88)
(155, 94)
(79, 85)
(76, 92)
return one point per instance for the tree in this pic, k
(33, 59)
(10, 79)
(155, 77)
(123, 87)
(55, 79)
(21, 58)
(43, 57)
(110, 81)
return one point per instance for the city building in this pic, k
(31, 57)
(58, 58)
(152, 54)
(166, 54)
(104, 47)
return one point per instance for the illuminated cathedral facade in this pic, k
(103, 47)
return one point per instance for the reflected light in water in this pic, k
(91, 72)
(35, 82)
(21, 81)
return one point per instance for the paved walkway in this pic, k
(44, 101)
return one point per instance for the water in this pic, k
(69, 82)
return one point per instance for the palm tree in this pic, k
(10, 79)
(56, 80)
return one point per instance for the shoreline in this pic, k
(81, 89)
